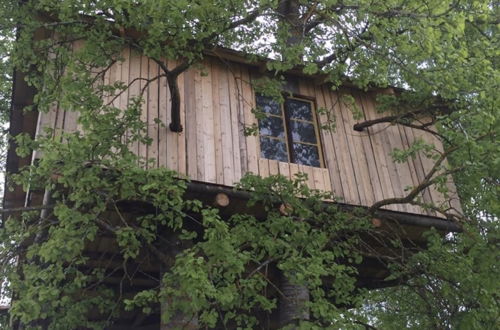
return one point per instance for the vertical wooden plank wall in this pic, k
(216, 103)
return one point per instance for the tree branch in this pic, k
(27, 209)
(428, 181)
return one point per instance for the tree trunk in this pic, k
(180, 320)
(292, 306)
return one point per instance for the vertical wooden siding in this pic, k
(216, 104)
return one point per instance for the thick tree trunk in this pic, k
(179, 320)
(292, 306)
(290, 14)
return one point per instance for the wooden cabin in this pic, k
(213, 150)
(216, 107)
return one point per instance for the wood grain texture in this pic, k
(164, 134)
(327, 142)
(216, 103)
(190, 127)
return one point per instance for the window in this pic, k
(288, 132)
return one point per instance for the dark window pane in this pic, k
(302, 131)
(268, 105)
(306, 154)
(272, 126)
(273, 149)
(299, 109)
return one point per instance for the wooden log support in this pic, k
(376, 222)
(221, 200)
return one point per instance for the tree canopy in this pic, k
(440, 56)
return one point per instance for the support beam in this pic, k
(221, 200)
(402, 218)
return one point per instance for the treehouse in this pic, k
(206, 139)
(210, 144)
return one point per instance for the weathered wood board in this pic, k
(216, 104)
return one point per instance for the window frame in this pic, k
(286, 119)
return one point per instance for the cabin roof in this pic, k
(260, 63)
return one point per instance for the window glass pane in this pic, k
(268, 105)
(273, 149)
(306, 154)
(302, 131)
(299, 109)
(272, 126)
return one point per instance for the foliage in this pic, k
(443, 53)
(453, 284)
(224, 272)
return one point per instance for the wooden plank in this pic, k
(306, 87)
(318, 178)
(419, 170)
(294, 170)
(310, 175)
(273, 167)
(116, 76)
(206, 127)
(59, 124)
(326, 179)
(225, 119)
(386, 134)
(135, 87)
(343, 152)
(358, 159)
(328, 145)
(219, 168)
(427, 165)
(235, 124)
(60, 117)
(284, 169)
(70, 121)
(119, 100)
(263, 167)
(380, 154)
(253, 151)
(143, 148)
(407, 143)
(181, 136)
(124, 76)
(364, 139)
(198, 106)
(191, 138)
(46, 120)
(153, 115)
(241, 119)
(403, 169)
